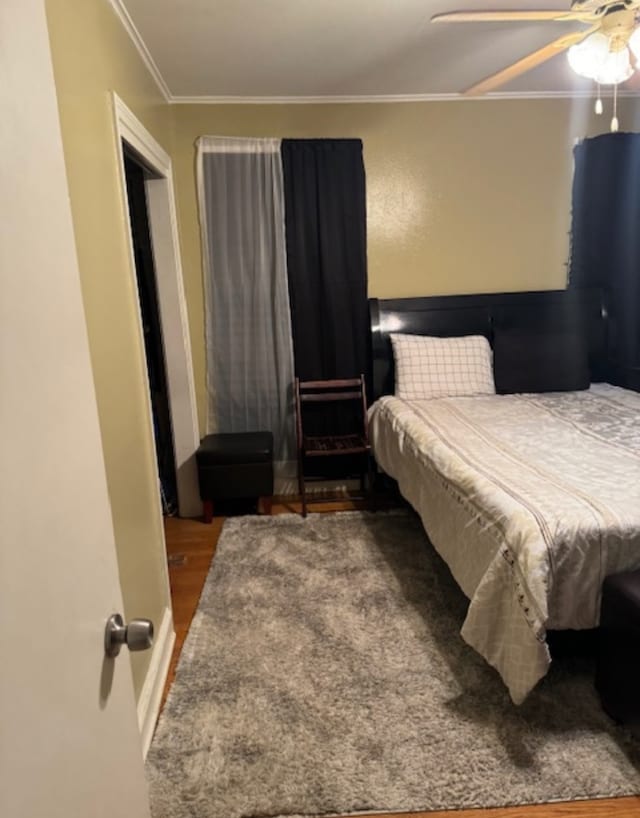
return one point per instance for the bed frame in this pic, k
(477, 315)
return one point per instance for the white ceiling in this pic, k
(341, 48)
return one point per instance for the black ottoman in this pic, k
(618, 661)
(234, 466)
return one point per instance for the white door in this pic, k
(69, 741)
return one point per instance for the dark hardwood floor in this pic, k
(190, 548)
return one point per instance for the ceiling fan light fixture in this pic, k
(596, 58)
(615, 69)
(634, 43)
(587, 58)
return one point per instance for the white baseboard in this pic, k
(151, 693)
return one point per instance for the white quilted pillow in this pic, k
(428, 367)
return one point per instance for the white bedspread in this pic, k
(531, 499)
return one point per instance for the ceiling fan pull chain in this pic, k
(599, 107)
(614, 122)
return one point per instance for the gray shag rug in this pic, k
(324, 673)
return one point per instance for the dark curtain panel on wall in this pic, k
(605, 241)
(325, 216)
(325, 213)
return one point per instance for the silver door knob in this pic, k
(137, 635)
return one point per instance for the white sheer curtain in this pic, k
(247, 316)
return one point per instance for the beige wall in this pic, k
(462, 197)
(92, 55)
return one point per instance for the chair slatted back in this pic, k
(330, 391)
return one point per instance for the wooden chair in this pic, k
(318, 444)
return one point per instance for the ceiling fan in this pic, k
(601, 52)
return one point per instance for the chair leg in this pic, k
(207, 510)
(265, 505)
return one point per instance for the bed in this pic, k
(531, 499)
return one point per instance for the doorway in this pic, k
(136, 173)
(174, 419)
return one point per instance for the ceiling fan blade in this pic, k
(510, 16)
(527, 63)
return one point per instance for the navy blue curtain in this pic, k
(325, 214)
(326, 235)
(605, 241)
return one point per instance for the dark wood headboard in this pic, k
(452, 315)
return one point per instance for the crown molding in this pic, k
(583, 93)
(310, 100)
(391, 98)
(134, 34)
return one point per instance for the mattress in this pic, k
(530, 499)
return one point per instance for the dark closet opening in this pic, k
(136, 174)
